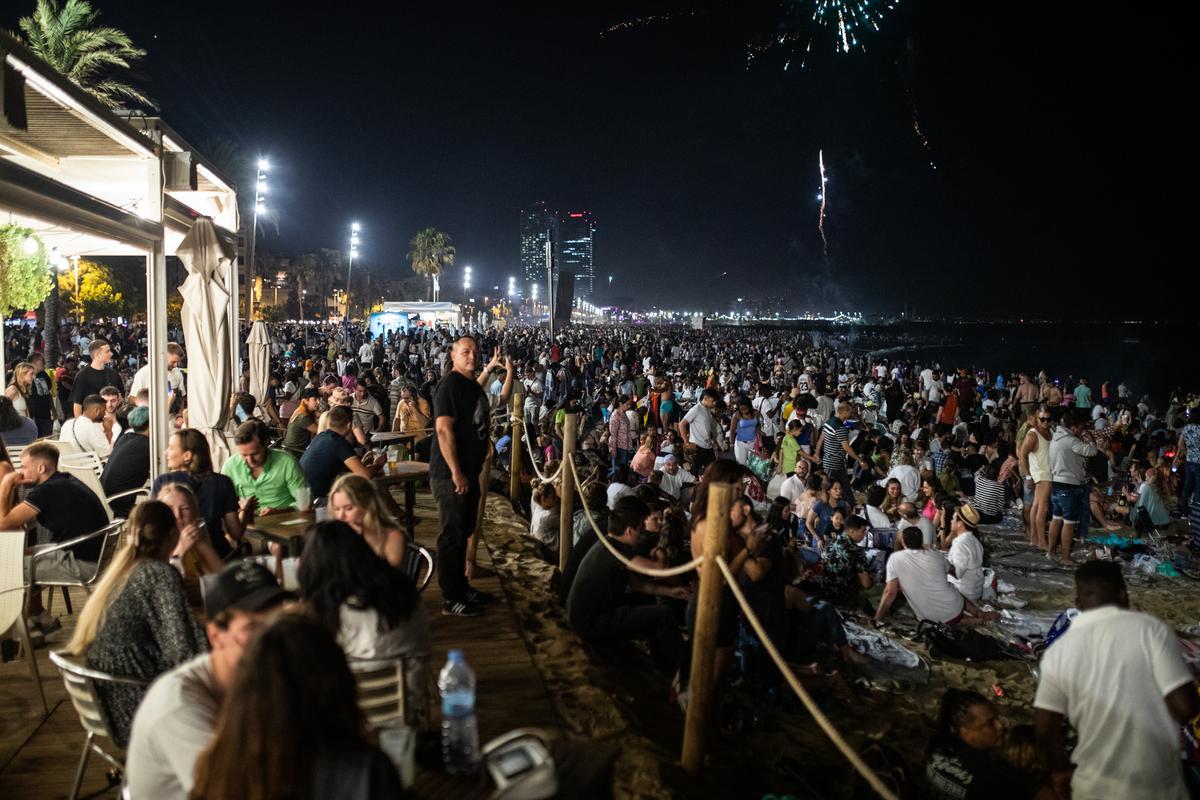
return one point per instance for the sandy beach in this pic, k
(770, 745)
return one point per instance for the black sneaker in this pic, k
(479, 597)
(457, 608)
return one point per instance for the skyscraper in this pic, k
(577, 230)
(535, 222)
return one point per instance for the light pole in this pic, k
(466, 281)
(354, 229)
(78, 299)
(260, 191)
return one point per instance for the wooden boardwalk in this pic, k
(38, 756)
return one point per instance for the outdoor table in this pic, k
(285, 529)
(387, 437)
(409, 473)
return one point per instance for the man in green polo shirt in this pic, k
(270, 477)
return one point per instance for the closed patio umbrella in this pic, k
(260, 361)
(205, 329)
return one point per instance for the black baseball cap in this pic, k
(244, 586)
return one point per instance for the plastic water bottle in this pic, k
(460, 734)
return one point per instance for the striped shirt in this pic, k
(833, 455)
(989, 495)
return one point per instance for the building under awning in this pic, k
(90, 182)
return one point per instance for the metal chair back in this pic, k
(418, 563)
(81, 683)
(381, 689)
(111, 534)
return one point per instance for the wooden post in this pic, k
(566, 512)
(514, 461)
(704, 638)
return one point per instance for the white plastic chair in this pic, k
(81, 688)
(13, 596)
(87, 458)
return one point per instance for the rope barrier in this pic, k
(647, 571)
(818, 715)
(533, 462)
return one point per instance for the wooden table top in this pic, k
(284, 526)
(403, 472)
(382, 437)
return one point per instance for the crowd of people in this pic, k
(861, 485)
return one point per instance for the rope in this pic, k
(648, 572)
(822, 720)
(533, 462)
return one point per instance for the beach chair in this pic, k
(14, 593)
(81, 688)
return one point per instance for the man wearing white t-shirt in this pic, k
(1118, 677)
(966, 553)
(923, 576)
(675, 477)
(699, 431)
(141, 379)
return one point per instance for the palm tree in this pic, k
(431, 254)
(66, 38)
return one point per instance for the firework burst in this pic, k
(821, 197)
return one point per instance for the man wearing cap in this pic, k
(965, 554)
(129, 465)
(178, 715)
(302, 427)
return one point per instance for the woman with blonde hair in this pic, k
(22, 384)
(195, 555)
(543, 517)
(355, 501)
(136, 623)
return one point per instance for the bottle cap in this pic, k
(456, 656)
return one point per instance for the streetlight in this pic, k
(354, 229)
(466, 279)
(512, 286)
(260, 191)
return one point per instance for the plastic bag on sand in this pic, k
(887, 657)
(1145, 564)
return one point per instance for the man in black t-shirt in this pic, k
(597, 605)
(461, 418)
(95, 376)
(129, 465)
(330, 454)
(64, 507)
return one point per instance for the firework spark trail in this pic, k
(642, 22)
(821, 214)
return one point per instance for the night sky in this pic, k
(1056, 130)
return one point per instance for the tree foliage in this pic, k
(431, 253)
(95, 58)
(96, 291)
(24, 277)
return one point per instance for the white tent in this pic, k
(260, 361)
(206, 257)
